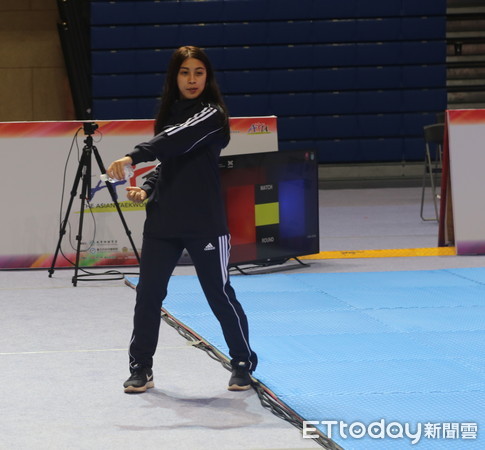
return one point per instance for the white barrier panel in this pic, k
(466, 133)
(39, 164)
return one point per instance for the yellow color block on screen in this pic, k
(267, 214)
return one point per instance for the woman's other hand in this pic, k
(136, 194)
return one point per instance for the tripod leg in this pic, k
(62, 230)
(115, 201)
(84, 194)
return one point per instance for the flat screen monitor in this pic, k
(271, 204)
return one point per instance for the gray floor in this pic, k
(374, 219)
(63, 349)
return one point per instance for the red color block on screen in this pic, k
(241, 214)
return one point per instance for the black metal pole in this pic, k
(84, 195)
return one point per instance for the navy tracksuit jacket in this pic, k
(185, 209)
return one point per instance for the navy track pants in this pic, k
(210, 257)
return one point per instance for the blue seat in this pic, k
(424, 76)
(290, 80)
(157, 36)
(292, 104)
(244, 33)
(112, 37)
(338, 150)
(154, 60)
(216, 55)
(149, 84)
(382, 149)
(244, 10)
(331, 103)
(166, 12)
(113, 13)
(113, 109)
(198, 12)
(334, 31)
(360, 150)
(413, 149)
(248, 105)
(201, 34)
(424, 100)
(303, 144)
(379, 77)
(382, 29)
(335, 79)
(129, 61)
(378, 54)
(336, 127)
(425, 52)
(379, 101)
(248, 10)
(111, 62)
(413, 123)
(296, 128)
(334, 55)
(335, 10)
(284, 56)
(379, 8)
(289, 32)
(423, 28)
(245, 58)
(114, 86)
(380, 125)
(422, 8)
(127, 85)
(287, 10)
(147, 108)
(244, 81)
(125, 108)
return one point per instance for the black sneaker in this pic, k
(140, 380)
(240, 379)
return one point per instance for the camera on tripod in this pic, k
(90, 128)
(83, 175)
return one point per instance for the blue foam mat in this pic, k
(404, 347)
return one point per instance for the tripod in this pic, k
(84, 173)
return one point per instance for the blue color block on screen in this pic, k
(292, 208)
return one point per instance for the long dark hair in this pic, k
(170, 93)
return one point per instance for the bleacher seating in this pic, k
(355, 80)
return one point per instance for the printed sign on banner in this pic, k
(466, 132)
(39, 165)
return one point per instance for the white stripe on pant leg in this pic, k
(132, 359)
(224, 258)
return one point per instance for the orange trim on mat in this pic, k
(386, 253)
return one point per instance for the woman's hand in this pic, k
(136, 194)
(116, 169)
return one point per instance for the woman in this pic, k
(185, 210)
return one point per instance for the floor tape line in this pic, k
(48, 352)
